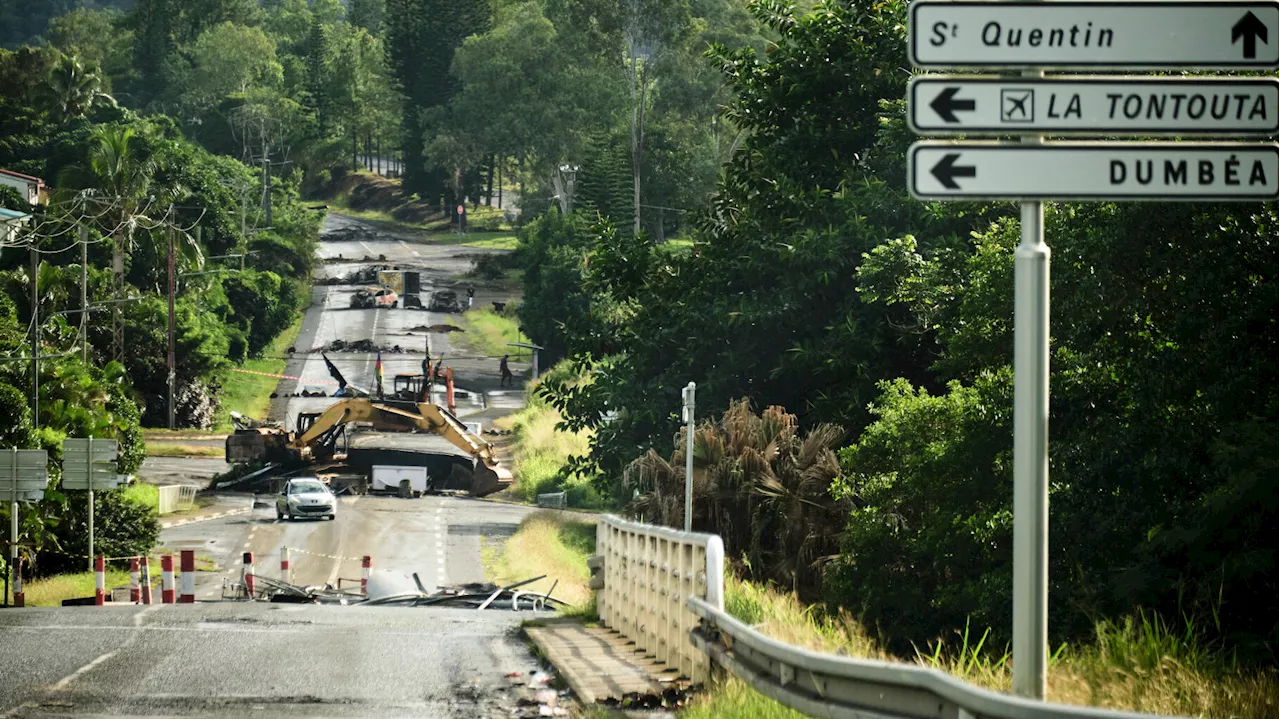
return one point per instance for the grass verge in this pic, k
(542, 450)
(1140, 664)
(171, 435)
(489, 332)
(551, 543)
(183, 450)
(250, 394)
(148, 495)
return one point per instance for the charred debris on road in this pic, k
(476, 595)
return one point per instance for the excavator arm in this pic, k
(403, 417)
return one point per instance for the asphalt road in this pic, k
(331, 317)
(437, 537)
(237, 659)
(232, 658)
(229, 658)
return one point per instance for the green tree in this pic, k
(96, 37)
(74, 88)
(367, 14)
(421, 37)
(230, 58)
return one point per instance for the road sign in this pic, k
(26, 471)
(965, 105)
(1094, 171)
(1099, 34)
(84, 460)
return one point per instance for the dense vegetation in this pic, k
(815, 284)
(166, 122)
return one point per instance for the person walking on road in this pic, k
(506, 372)
(471, 295)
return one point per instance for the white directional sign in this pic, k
(1064, 34)
(23, 474)
(942, 105)
(89, 464)
(1094, 171)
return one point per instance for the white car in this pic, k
(306, 497)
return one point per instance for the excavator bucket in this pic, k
(253, 445)
(486, 480)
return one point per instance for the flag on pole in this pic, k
(379, 370)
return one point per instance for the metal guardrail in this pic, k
(176, 498)
(553, 500)
(825, 685)
(649, 573)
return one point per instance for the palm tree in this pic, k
(758, 483)
(75, 87)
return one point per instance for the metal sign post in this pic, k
(89, 464)
(1077, 34)
(687, 415)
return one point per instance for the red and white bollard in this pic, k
(188, 595)
(248, 574)
(99, 580)
(19, 596)
(366, 568)
(284, 564)
(144, 568)
(135, 588)
(166, 579)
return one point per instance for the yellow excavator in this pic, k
(317, 433)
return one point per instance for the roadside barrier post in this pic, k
(188, 595)
(366, 568)
(135, 587)
(99, 580)
(166, 579)
(19, 596)
(248, 573)
(284, 564)
(144, 566)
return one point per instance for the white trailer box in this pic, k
(387, 477)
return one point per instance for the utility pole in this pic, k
(266, 182)
(172, 369)
(688, 393)
(84, 293)
(35, 336)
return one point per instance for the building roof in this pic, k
(7, 215)
(28, 178)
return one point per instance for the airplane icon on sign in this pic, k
(1017, 105)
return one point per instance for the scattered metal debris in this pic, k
(362, 345)
(476, 595)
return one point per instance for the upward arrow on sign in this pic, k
(1251, 29)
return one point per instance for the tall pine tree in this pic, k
(320, 81)
(153, 32)
(421, 37)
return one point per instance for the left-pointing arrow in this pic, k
(946, 104)
(946, 170)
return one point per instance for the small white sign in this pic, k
(1099, 34)
(1094, 171)
(944, 105)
